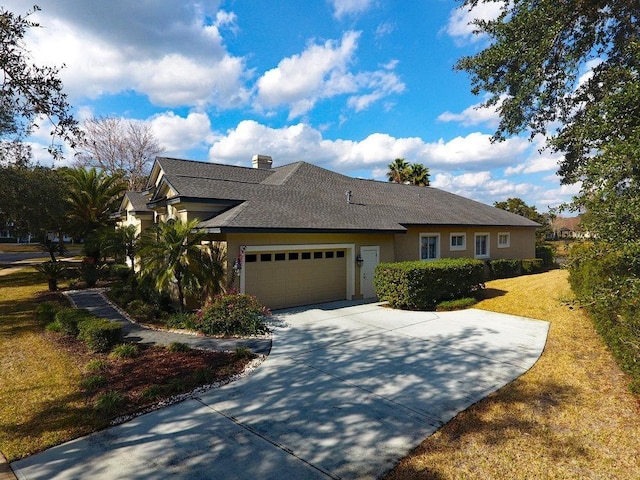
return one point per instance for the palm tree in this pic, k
(418, 175)
(398, 171)
(121, 244)
(93, 196)
(171, 253)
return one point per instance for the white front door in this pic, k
(371, 258)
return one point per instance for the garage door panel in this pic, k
(291, 282)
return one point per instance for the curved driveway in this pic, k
(346, 392)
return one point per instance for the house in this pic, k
(300, 234)
(567, 228)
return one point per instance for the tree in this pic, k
(93, 197)
(418, 175)
(33, 199)
(171, 254)
(28, 92)
(576, 64)
(118, 146)
(121, 244)
(398, 171)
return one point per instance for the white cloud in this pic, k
(302, 142)
(342, 8)
(481, 186)
(178, 134)
(171, 52)
(474, 115)
(538, 164)
(460, 25)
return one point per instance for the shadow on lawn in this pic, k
(482, 425)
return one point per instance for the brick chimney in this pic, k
(262, 161)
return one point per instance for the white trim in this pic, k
(504, 245)
(455, 248)
(427, 234)
(482, 234)
(350, 259)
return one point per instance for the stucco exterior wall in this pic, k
(521, 242)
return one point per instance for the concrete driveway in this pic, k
(347, 391)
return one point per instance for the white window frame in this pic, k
(508, 242)
(454, 248)
(487, 254)
(430, 235)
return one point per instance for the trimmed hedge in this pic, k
(546, 254)
(69, 318)
(507, 268)
(99, 334)
(607, 283)
(420, 285)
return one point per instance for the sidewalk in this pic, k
(95, 302)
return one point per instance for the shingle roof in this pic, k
(301, 196)
(138, 201)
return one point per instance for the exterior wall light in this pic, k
(359, 260)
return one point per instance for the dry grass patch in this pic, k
(570, 416)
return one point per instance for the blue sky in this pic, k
(348, 85)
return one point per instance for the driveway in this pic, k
(346, 392)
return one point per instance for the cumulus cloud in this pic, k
(171, 53)
(481, 186)
(303, 142)
(178, 134)
(342, 8)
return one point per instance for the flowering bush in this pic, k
(232, 314)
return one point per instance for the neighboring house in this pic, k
(300, 234)
(567, 228)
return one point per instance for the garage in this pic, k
(292, 277)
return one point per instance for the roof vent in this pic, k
(262, 161)
(348, 196)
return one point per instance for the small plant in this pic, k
(187, 321)
(110, 402)
(53, 327)
(204, 375)
(46, 312)
(152, 393)
(178, 347)
(125, 350)
(96, 365)
(142, 311)
(69, 318)
(53, 272)
(93, 382)
(458, 304)
(242, 353)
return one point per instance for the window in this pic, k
(317, 254)
(279, 257)
(458, 241)
(293, 256)
(340, 254)
(482, 245)
(265, 257)
(250, 258)
(429, 246)
(504, 240)
(306, 255)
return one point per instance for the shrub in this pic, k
(420, 285)
(242, 353)
(507, 268)
(533, 265)
(152, 392)
(459, 304)
(232, 314)
(546, 254)
(53, 327)
(89, 272)
(125, 350)
(178, 347)
(607, 282)
(69, 318)
(46, 312)
(120, 271)
(99, 334)
(53, 272)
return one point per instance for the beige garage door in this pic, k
(292, 278)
